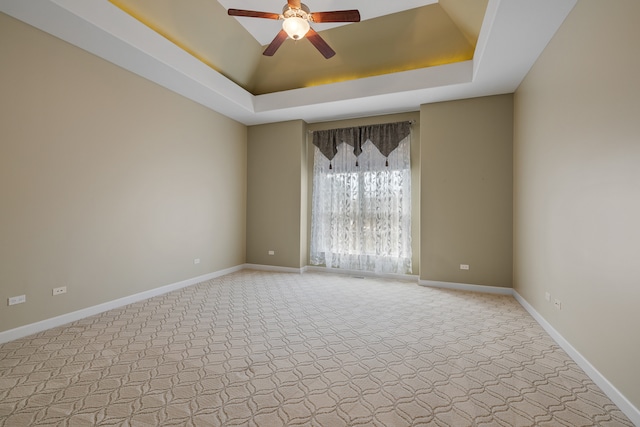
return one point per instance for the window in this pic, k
(361, 209)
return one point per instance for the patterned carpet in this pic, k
(272, 349)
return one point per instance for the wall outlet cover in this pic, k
(17, 300)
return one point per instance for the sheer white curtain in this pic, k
(361, 215)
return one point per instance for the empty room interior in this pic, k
(179, 247)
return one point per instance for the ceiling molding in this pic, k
(513, 34)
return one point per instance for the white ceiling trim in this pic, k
(513, 35)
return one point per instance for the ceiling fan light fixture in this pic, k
(296, 17)
(296, 27)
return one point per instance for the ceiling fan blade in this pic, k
(276, 43)
(336, 16)
(294, 4)
(253, 14)
(320, 44)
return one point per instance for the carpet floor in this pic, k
(259, 348)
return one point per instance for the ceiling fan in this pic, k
(296, 17)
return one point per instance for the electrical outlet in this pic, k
(547, 296)
(59, 291)
(17, 300)
(272, 252)
(464, 266)
(196, 261)
(558, 304)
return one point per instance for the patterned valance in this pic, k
(386, 137)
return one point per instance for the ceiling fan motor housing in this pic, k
(290, 12)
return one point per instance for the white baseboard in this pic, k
(609, 389)
(467, 287)
(43, 325)
(274, 268)
(360, 273)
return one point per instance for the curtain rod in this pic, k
(410, 122)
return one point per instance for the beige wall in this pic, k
(415, 169)
(468, 170)
(466, 192)
(109, 184)
(577, 187)
(276, 194)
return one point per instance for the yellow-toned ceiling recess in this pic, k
(203, 29)
(436, 34)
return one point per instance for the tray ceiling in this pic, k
(507, 42)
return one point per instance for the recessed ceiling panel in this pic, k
(417, 37)
(263, 29)
(408, 40)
